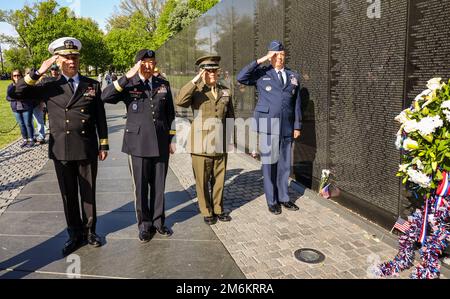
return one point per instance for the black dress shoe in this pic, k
(94, 240)
(72, 245)
(290, 206)
(210, 220)
(164, 231)
(275, 209)
(224, 217)
(145, 236)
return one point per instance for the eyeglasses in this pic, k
(17, 75)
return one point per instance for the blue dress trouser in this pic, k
(276, 167)
(25, 120)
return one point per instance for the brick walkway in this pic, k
(263, 244)
(18, 167)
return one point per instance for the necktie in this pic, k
(72, 88)
(214, 92)
(280, 75)
(147, 85)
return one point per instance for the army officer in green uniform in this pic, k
(211, 104)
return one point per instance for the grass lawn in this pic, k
(7, 120)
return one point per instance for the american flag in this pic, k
(402, 225)
(326, 191)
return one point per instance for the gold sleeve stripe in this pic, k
(117, 86)
(103, 141)
(68, 51)
(29, 81)
(173, 132)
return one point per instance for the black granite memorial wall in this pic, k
(361, 62)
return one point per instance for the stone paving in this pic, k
(18, 167)
(263, 244)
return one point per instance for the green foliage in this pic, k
(42, 23)
(16, 58)
(163, 32)
(8, 120)
(428, 152)
(124, 43)
(202, 5)
(94, 51)
(181, 17)
(139, 24)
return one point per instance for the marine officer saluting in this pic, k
(148, 138)
(212, 105)
(77, 126)
(278, 121)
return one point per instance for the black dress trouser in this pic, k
(74, 176)
(149, 176)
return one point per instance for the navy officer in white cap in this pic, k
(278, 121)
(78, 135)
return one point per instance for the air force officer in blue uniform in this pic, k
(278, 121)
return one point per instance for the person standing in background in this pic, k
(23, 112)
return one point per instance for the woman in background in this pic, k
(23, 111)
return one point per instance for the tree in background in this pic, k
(123, 43)
(135, 25)
(149, 10)
(38, 25)
(16, 58)
(202, 5)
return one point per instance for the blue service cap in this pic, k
(276, 46)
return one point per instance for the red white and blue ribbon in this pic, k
(443, 190)
(423, 229)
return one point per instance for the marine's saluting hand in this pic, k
(198, 77)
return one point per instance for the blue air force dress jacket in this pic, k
(274, 100)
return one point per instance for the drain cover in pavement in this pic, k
(310, 256)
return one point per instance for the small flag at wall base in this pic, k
(325, 192)
(402, 225)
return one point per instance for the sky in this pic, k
(99, 10)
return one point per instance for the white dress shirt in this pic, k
(76, 81)
(283, 73)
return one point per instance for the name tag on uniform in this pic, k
(135, 94)
(267, 79)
